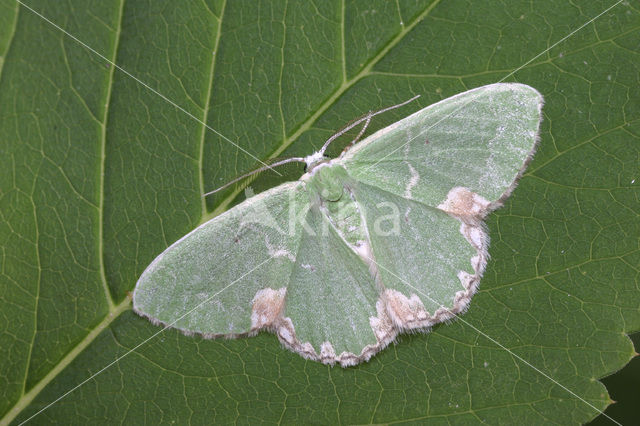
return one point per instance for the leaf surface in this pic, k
(100, 174)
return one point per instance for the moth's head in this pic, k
(313, 160)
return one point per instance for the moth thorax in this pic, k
(346, 217)
(329, 181)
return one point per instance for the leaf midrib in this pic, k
(10, 42)
(207, 101)
(28, 397)
(113, 310)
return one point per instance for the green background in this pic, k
(98, 174)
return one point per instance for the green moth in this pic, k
(386, 238)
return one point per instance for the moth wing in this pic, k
(480, 140)
(332, 313)
(429, 263)
(228, 276)
(438, 173)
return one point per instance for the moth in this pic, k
(384, 239)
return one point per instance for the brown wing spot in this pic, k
(382, 325)
(405, 312)
(267, 307)
(463, 203)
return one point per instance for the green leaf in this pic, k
(99, 174)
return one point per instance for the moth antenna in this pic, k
(357, 138)
(255, 171)
(367, 118)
